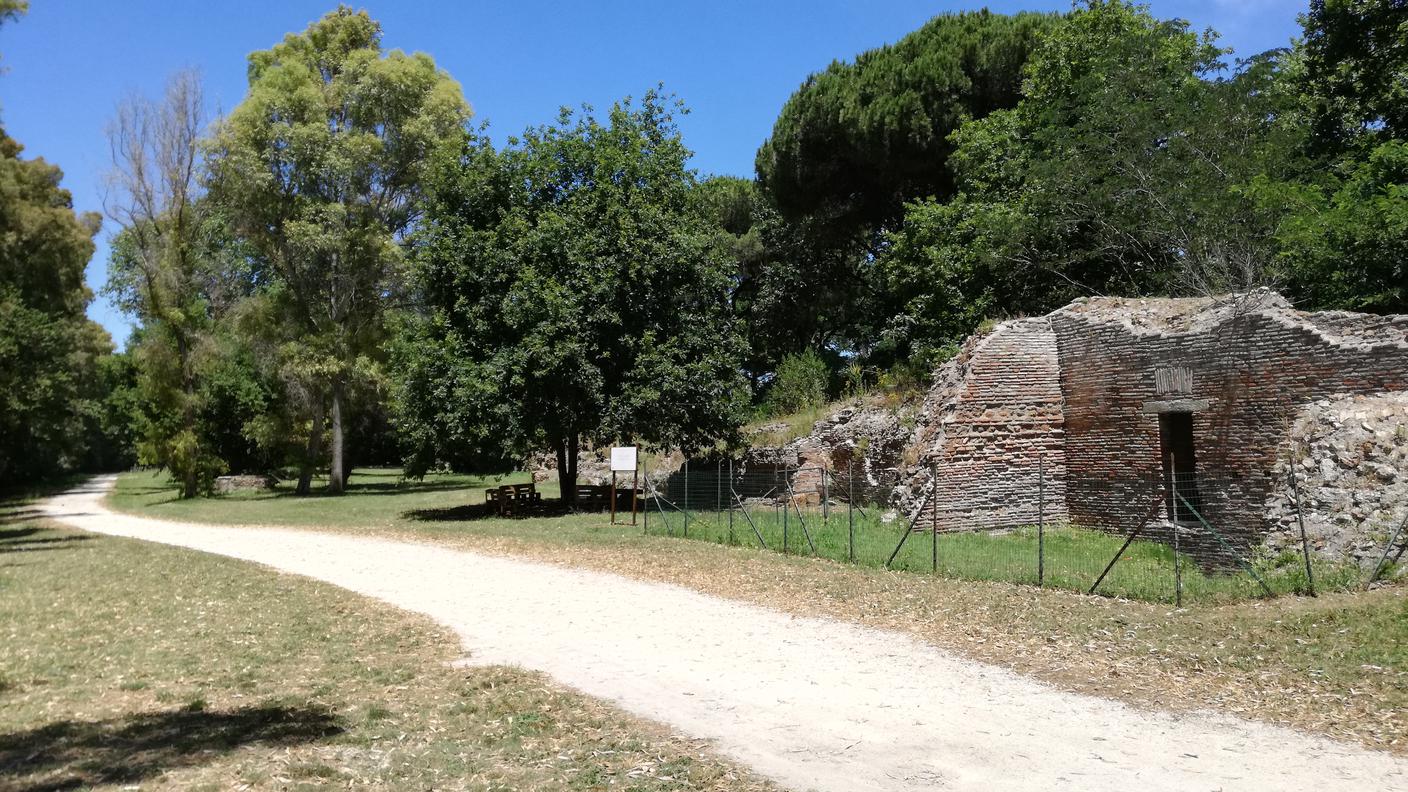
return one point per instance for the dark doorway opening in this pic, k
(1180, 466)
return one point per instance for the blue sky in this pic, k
(69, 62)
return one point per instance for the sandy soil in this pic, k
(815, 704)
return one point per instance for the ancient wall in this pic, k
(993, 431)
(1350, 457)
(1241, 366)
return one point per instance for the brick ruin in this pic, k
(1095, 405)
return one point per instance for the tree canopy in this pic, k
(320, 170)
(859, 139)
(1123, 169)
(574, 291)
(48, 348)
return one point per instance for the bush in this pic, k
(800, 384)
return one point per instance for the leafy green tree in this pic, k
(1344, 235)
(1122, 170)
(1343, 218)
(859, 139)
(574, 291)
(320, 171)
(112, 412)
(849, 149)
(1355, 76)
(46, 343)
(159, 265)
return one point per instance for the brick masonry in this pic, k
(1078, 395)
(1243, 366)
(993, 429)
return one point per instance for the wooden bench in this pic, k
(597, 497)
(510, 499)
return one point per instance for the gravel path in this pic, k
(815, 704)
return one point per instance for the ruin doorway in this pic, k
(1180, 466)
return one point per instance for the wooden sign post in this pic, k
(623, 458)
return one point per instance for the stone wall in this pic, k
(1351, 469)
(992, 428)
(1242, 366)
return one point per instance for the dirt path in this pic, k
(815, 704)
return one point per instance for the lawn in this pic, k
(382, 498)
(1337, 664)
(127, 664)
(1073, 559)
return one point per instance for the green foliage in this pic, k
(575, 290)
(113, 414)
(850, 147)
(1344, 239)
(321, 171)
(1120, 171)
(858, 139)
(1355, 78)
(49, 350)
(800, 384)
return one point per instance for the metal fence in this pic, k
(1182, 549)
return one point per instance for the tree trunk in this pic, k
(567, 470)
(190, 484)
(337, 477)
(315, 449)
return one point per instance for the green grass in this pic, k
(126, 664)
(783, 429)
(1073, 558)
(377, 497)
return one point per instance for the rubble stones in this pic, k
(225, 485)
(1350, 511)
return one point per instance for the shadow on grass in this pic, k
(26, 540)
(482, 511)
(355, 489)
(77, 754)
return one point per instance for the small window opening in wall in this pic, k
(1180, 466)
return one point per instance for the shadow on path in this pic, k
(76, 754)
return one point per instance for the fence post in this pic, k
(646, 505)
(730, 502)
(685, 500)
(785, 509)
(1177, 556)
(850, 511)
(825, 497)
(1300, 519)
(934, 516)
(1040, 520)
(718, 491)
(1177, 568)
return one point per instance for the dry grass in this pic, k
(127, 663)
(1336, 665)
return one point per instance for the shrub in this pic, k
(800, 384)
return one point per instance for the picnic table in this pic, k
(511, 499)
(597, 497)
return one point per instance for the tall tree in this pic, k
(157, 268)
(575, 291)
(320, 170)
(849, 149)
(1122, 170)
(47, 345)
(1355, 71)
(1343, 229)
(858, 140)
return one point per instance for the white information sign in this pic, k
(623, 459)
